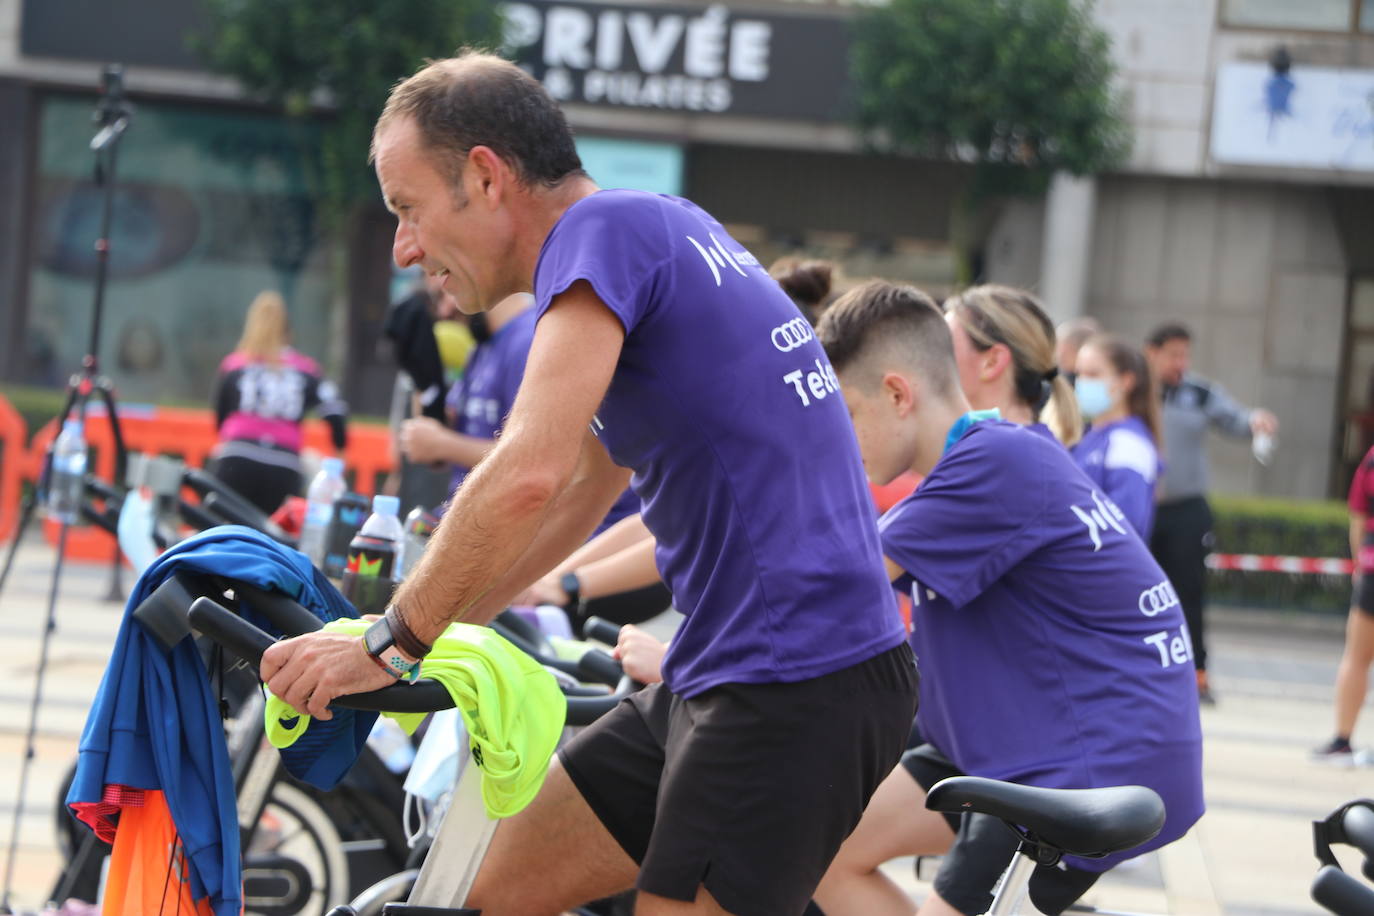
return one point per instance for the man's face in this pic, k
(1170, 360)
(876, 426)
(454, 239)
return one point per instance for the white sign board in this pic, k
(1310, 117)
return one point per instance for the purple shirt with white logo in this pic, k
(1121, 459)
(726, 408)
(1053, 650)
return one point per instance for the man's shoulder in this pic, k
(621, 203)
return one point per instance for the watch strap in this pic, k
(404, 636)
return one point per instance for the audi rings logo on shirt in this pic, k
(1158, 598)
(789, 336)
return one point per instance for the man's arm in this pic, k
(1230, 417)
(496, 516)
(491, 535)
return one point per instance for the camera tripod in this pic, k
(112, 114)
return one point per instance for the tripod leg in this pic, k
(25, 515)
(48, 627)
(115, 594)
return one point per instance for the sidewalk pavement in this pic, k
(1251, 855)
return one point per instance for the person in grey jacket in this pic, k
(1183, 527)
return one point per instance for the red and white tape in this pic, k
(1253, 562)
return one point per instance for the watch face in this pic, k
(377, 637)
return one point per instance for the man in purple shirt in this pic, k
(663, 349)
(1052, 650)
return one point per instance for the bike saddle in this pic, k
(1089, 823)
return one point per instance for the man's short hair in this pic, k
(1167, 332)
(1076, 330)
(878, 324)
(479, 99)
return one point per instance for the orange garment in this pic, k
(148, 872)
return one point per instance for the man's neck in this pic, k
(935, 422)
(544, 207)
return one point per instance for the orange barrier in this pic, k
(14, 437)
(190, 436)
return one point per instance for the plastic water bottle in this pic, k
(371, 572)
(324, 491)
(419, 525)
(350, 511)
(390, 742)
(67, 481)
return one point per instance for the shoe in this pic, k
(1336, 752)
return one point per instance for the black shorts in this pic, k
(1364, 593)
(745, 789)
(982, 850)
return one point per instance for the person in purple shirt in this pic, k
(1120, 453)
(664, 356)
(1050, 651)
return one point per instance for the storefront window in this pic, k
(211, 207)
(1313, 15)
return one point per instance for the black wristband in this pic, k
(572, 587)
(405, 637)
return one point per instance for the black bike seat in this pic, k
(1082, 822)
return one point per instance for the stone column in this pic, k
(1070, 207)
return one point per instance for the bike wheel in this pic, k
(296, 865)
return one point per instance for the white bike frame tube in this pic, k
(451, 864)
(1013, 885)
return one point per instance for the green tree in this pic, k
(1018, 89)
(333, 62)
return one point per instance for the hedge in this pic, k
(1250, 524)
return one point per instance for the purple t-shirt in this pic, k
(1053, 650)
(1120, 458)
(726, 408)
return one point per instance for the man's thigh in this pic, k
(550, 857)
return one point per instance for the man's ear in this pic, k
(487, 175)
(900, 392)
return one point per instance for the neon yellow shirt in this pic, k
(512, 707)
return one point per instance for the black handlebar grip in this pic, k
(229, 630)
(601, 630)
(248, 643)
(1342, 894)
(595, 665)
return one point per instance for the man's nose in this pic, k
(405, 250)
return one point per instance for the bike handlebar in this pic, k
(248, 642)
(601, 630)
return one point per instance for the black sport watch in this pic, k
(572, 587)
(377, 640)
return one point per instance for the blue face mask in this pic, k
(1093, 397)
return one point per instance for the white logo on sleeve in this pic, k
(1102, 517)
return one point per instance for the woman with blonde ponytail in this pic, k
(1004, 347)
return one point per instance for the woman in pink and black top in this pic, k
(1352, 677)
(262, 394)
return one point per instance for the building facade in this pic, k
(1246, 210)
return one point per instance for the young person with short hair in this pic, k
(1046, 658)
